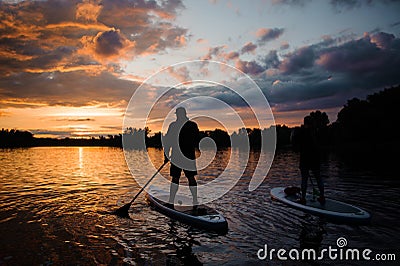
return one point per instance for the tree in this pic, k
(320, 119)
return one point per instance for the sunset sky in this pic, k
(69, 68)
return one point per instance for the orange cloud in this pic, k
(61, 35)
(201, 41)
(16, 56)
(73, 26)
(88, 10)
(94, 69)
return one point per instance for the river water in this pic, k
(54, 205)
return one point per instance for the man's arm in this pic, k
(167, 143)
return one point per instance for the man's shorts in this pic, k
(176, 171)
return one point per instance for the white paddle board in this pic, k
(203, 217)
(333, 210)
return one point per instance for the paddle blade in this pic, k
(123, 211)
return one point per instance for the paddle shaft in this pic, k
(148, 182)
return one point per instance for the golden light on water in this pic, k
(80, 158)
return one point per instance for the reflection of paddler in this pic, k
(181, 140)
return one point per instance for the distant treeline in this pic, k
(15, 138)
(364, 130)
(133, 138)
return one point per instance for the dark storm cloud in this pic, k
(271, 60)
(304, 87)
(329, 73)
(325, 74)
(109, 43)
(374, 59)
(225, 94)
(332, 69)
(301, 59)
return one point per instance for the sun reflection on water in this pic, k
(81, 158)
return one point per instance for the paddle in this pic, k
(123, 211)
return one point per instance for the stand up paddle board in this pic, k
(333, 210)
(204, 217)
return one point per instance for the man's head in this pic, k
(180, 113)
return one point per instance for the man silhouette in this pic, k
(309, 158)
(181, 140)
(306, 141)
